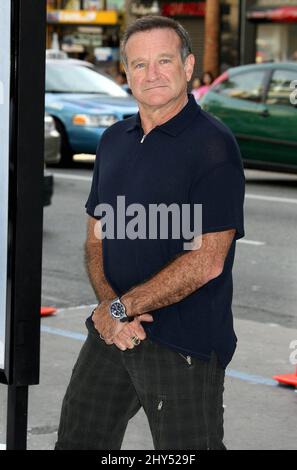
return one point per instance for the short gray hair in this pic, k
(147, 23)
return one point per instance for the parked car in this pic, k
(83, 104)
(57, 54)
(52, 141)
(257, 103)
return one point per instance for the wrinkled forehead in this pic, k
(152, 42)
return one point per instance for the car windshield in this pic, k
(61, 78)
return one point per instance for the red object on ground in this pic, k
(288, 379)
(45, 311)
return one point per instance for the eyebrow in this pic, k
(164, 54)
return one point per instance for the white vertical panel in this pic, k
(5, 6)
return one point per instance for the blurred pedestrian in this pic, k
(196, 84)
(121, 78)
(206, 80)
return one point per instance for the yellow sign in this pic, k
(82, 17)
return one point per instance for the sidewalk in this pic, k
(259, 414)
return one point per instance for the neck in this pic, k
(155, 116)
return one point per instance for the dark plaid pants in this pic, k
(181, 396)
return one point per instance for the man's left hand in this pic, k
(107, 326)
(116, 332)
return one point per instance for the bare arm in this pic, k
(114, 331)
(94, 262)
(182, 276)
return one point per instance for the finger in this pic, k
(127, 343)
(134, 329)
(105, 338)
(145, 317)
(139, 334)
(120, 345)
(125, 338)
(139, 331)
(111, 330)
(125, 334)
(109, 342)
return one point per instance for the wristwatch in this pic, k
(118, 311)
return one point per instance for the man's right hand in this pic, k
(134, 328)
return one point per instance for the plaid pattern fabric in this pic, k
(181, 396)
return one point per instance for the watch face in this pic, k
(117, 310)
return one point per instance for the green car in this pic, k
(259, 104)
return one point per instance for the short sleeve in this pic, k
(93, 199)
(221, 193)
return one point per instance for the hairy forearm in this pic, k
(94, 267)
(180, 278)
(173, 283)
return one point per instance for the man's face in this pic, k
(156, 73)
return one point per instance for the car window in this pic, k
(279, 88)
(244, 86)
(68, 78)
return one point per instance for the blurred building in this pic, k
(86, 29)
(189, 14)
(269, 30)
(192, 15)
(91, 29)
(224, 33)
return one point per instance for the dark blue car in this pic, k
(83, 104)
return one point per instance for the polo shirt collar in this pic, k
(177, 123)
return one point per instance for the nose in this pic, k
(152, 72)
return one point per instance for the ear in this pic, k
(189, 66)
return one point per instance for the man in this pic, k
(162, 334)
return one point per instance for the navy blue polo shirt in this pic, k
(190, 159)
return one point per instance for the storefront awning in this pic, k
(286, 14)
(184, 9)
(109, 17)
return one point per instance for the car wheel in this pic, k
(66, 150)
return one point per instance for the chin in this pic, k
(157, 97)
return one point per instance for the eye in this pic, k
(165, 61)
(139, 66)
